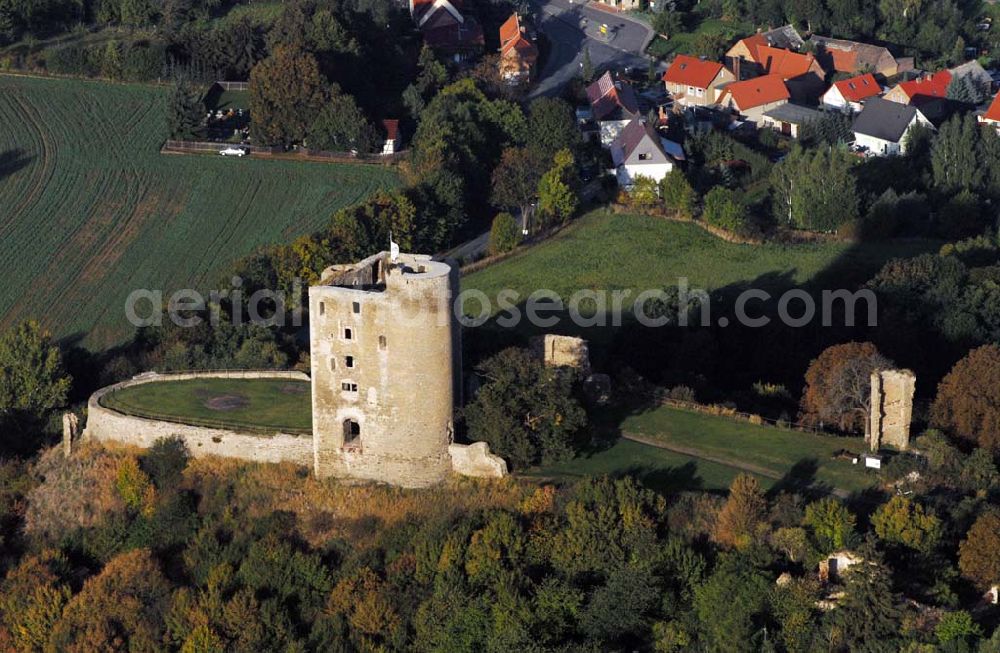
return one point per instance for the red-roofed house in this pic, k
(992, 115)
(850, 94)
(752, 97)
(445, 28)
(744, 59)
(392, 140)
(801, 72)
(613, 104)
(843, 56)
(922, 89)
(518, 54)
(695, 82)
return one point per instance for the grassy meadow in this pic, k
(705, 452)
(658, 469)
(608, 251)
(740, 443)
(258, 404)
(90, 210)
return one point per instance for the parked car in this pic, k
(233, 151)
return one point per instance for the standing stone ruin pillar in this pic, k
(71, 428)
(891, 409)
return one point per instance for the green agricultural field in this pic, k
(607, 251)
(90, 210)
(260, 405)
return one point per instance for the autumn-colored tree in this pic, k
(968, 398)
(495, 550)
(286, 94)
(134, 486)
(831, 523)
(32, 598)
(979, 552)
(364, 599)
(743, 514)
(904, 521)
(119, 609)
(607, 523)
(838, 386)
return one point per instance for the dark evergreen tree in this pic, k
(867, 619)
(185, 110)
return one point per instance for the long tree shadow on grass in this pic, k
(11, 161)
(722, 359)
(665, 480)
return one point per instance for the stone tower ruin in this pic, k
(385, 369)
(891, 409)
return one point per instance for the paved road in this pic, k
(572, 27)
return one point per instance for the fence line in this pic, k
(718, 410)
(278, 152)
(233, 86)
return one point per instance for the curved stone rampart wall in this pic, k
(107, 425)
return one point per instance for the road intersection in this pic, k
(572, 28)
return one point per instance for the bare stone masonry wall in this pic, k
(106, 425)
(891, 409)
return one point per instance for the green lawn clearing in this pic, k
(658, 469)
(807, 456)
(608, 251)
(259, 405)
(92, 210)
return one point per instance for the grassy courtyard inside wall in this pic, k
(256, 405)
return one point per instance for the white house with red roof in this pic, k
(754, 97)
(691, 81)
(850, 94)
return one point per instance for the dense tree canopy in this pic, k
(968, 398)
(524, 410)
(287, 92)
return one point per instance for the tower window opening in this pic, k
(333, 363)
(348, 333)
(356, 307)
(347, 386)
(322, 308)
(352, 434)
(381, 342)
(349, 361)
